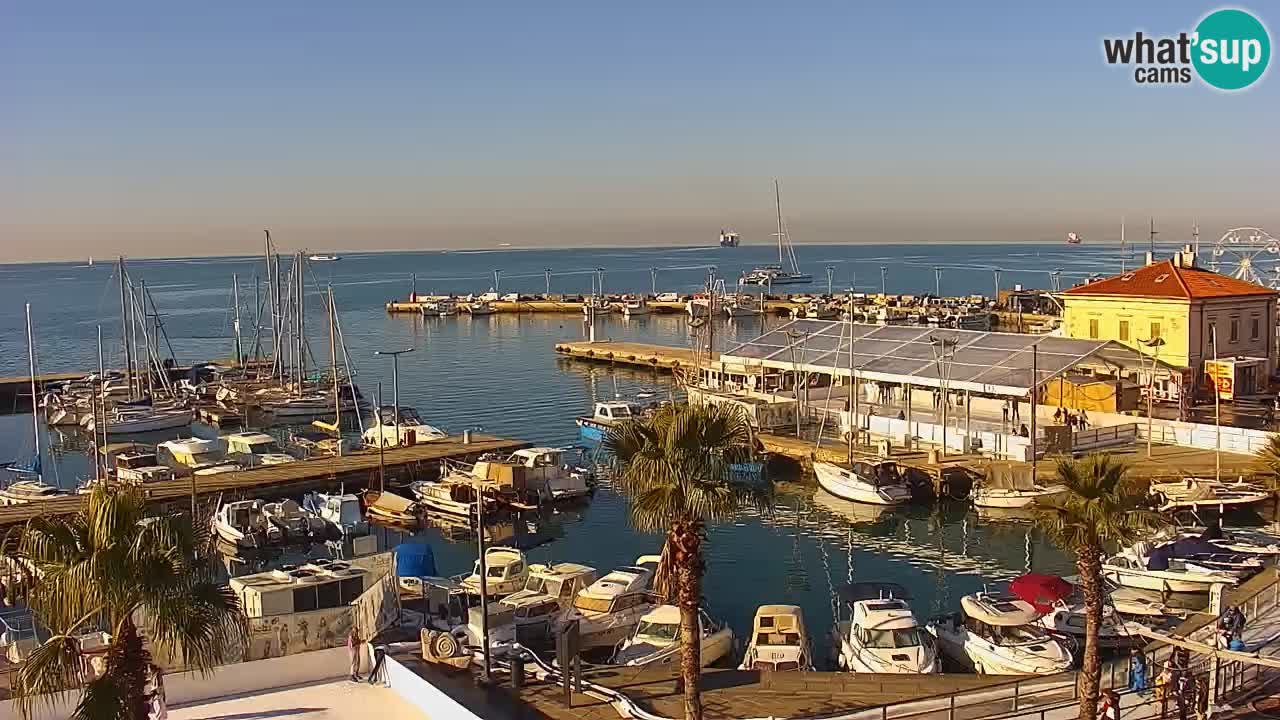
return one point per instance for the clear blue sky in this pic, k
(134, 126)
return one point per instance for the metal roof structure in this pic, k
(994, 363)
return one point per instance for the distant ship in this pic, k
(324, 258)
(1074, 239)
(728, 238)
(787, 271)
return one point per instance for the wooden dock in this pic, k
(15, 390)
(355, 471)
(654, 357)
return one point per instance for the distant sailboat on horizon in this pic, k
(787, 271)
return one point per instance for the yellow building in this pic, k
(1184, 307)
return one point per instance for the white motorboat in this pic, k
(1068, 620)
(254, 449)
(1197, 493)
(656, 639)
(549, 474)
(137, 466)
(479, 309)
(698, 306)
(22, 492)
(604, 416)
(547, 592)
(341, 514)
(292, 520)
(193, 453)
(453, 497)
(142, 420)
(635, 306)
(506, 572)
(878, 483)
(815, 310)
(1129, 602)
(611, 607)
(1136, 568)
(440, 308)
(779, 640)
(993, 497)
(740, 305)
(324, 258)
(242, 523)
(883, 636)
(596, 306)
(386, 430)
(306, 406)
(999, 635)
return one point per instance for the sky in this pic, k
(163, 128)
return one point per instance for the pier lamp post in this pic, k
(1153, 344)
(996, 273)
(831, 273)
(395, 386)
(653, 281)
(547, 273)
(600, 280)
(944, 350)
(937, 281)
(883, 275)
(496, 275)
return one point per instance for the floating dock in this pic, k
(654, 357)
(355, 471)
(15, 391)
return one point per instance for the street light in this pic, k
(943, 353)
(395, 386)
(547, 273)
(883, 271)
(496, 274)
(1153, 344)
(653, 281)
(831, 271)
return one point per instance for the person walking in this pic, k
(354, 645)
(1017, 414)
(1138, 671)
(159, 703)
(1004, 411)
(1084, 420)
(1110, 707)
(1164, 685)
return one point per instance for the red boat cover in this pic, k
(1042, 591)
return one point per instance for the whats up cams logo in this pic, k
(1228, 50)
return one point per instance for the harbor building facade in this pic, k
(1172, 310)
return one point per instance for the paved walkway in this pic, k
(339, 700)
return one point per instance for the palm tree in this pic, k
(1269, 457)
(115, 566)
(1102, 508)
(676, 468)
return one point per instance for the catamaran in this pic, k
(787, 271)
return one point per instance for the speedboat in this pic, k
(454, 497)
(478, 309)
(505, 572)
(242, 523)
(340, 513)
(550, 475)
(609, 608)
(193, 453)
(385, 430)
(1142, 568)
(255, 449)
(596, 306)
(779, 640)
(605, 415)
(878, 483)
(656, 639)
(547, 592)
(999, 635)
(22, 492)
(292, 520)
(390, 507)
(1067, 620)
(324, 258)
(633, 306)
(883, 636)
(993, 497)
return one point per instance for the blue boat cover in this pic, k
(414, 558)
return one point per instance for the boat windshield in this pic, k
(535, 584)
(889, 639)
(1018, 635)
(262, 448)
(656, 632)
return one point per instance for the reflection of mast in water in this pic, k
(797, 580)
(831, 588)
(1027, 551)
(942, 593)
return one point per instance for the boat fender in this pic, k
(445, 645)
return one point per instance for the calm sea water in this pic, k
(499, 373)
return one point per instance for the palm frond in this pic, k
(1103, 507)
(49, 672)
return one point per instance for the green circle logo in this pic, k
(1232, 49)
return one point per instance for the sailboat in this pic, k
(21, 492)
(787, 271)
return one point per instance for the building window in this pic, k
(1155, 330)
(1124, 331)
(1093, 328)
(1235, 330)
(1253, 328)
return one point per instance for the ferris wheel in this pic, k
(1248, 253)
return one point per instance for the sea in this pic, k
(500, 374)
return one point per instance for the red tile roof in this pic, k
(1166, 280)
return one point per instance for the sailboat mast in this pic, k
(777, 201)
(235, 299)
(145, 359)
(271, 299)
(35, 400)
(302, 337)
(853, 389)
(333, 359)
(124, 328)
